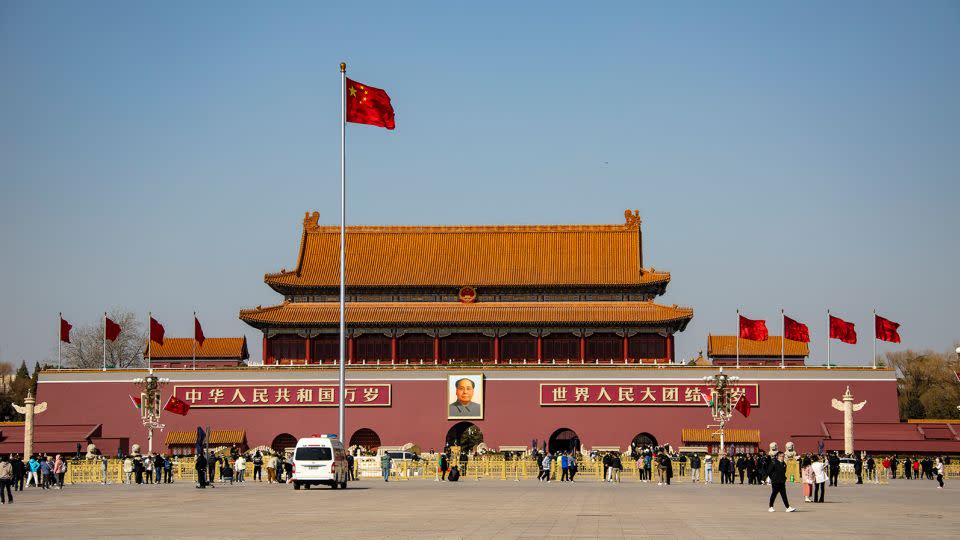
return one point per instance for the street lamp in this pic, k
(723, 400)
(150, 404)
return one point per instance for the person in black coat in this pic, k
(834, 462)
(201, 467)
(18, 472)
(858, 467)
(777, 472)
(741, 466)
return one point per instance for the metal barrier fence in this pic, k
(474, 468)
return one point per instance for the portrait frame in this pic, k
(452, 400)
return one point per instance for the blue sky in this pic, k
(159, 156)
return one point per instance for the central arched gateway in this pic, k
(466, 435)
(283, 441)
(563, 440)
(365, 437)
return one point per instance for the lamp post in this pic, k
(723, 400)
(150, 404)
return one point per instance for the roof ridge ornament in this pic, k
(311, 222)
(633, 218)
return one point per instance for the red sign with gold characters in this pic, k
(635, 394)
(282, 395)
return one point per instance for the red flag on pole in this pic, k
(156, 331)
(842, 330)
(198, 331)
(886, 329)
(368, 105)
(136, 401)
(794, 330)
(112, 329)
(743, 406)
(65, 328)
(177, 406)
(753, 330)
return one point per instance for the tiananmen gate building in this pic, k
(547, 332)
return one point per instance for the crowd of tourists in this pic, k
(232, 468)
(41, 470)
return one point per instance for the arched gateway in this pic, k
(466, 435)
(283, 441)
(365, 437)
(563, 440)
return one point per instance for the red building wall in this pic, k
(513, 415)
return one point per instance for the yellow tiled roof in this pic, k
(456, 312)
(216, 436)
(182, 348)
(727, 346)
(730, 435)
(514, 255)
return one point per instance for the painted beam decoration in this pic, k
(282, 395)
(574, 394)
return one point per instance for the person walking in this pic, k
(6, 479)
(148, 469)
(572, 465)
(201, 467)
(564, 467)
(59, 470)
(916, 469)
(938, 467)
(708, 469)
(19, 472)
(33, 467)
(351, 473)
(858, 467)
(647, 466)
(385, 466)
(907, 468)
(695, 468)
(806, 474)
(545, 467)
(258, 466)
(46, 472)
(872, 470)
(443, 464)
(167, 469)
(820, 479)
(211, 468)
(241, 467)
(102, 460)
(128, 469)
(741, 467)
(777, 472)
(271, 469)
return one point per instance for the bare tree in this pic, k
(85, 349)
(926, 383)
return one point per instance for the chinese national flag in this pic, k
(368, 105)
(753, 330)
(886, 329)
(177, 406)
(112, 330)
(743, 406)
(842, 330)
(797, 331)
(156, 331)
(198, 332)
(65, 328)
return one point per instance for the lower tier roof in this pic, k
(456, 313)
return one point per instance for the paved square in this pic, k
(484, 509)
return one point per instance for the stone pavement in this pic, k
(485, 509)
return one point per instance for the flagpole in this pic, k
(874, 338)
(104, 340)
(60, 341)
(828, 339)
(194, 340)
(783, 336)
(343, 242)
(738, 338)
(149, 344)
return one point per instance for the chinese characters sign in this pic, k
(635, 394)
(283, 395)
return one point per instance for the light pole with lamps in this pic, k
(723, 400)
(150, 396)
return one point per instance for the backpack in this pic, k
(454, 474)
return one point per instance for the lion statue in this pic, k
(790, 452)
(92, 452)
(774, 449)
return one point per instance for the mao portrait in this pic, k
(465, 396)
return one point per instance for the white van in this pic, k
(320, 459)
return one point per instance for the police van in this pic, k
(320, 459)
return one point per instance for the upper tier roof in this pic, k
(727, 346)
(182, 348)
(511, 256)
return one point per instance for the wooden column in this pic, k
(266, 347)
(436, 348)
(583, 347)
(670, 351)
(496, 348)
(393, 349)
(309, 354)
(350, 350)
(539, 348)
(626, 348)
